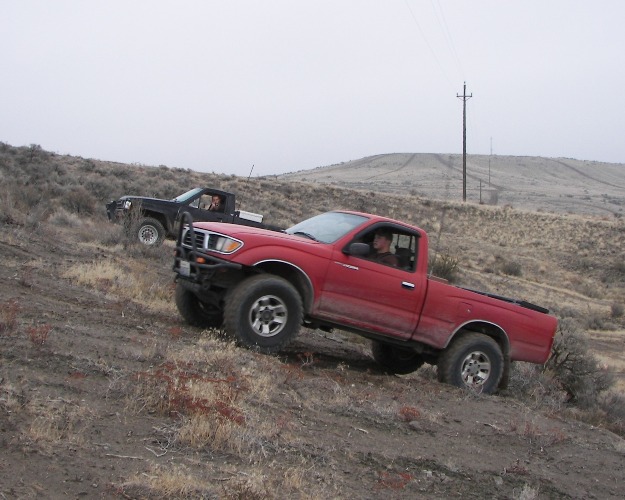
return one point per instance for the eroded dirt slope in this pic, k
(72, 424)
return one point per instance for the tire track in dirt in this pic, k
(353, 165)
(585, 175)
(406, 163)
(450, 166)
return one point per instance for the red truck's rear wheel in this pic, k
(396, 359)
(474, 361)
(263, 313)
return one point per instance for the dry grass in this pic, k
(220, 397)
(9, 311)
(217, 392)
(166, 482)
(54, 424)
(129, 279)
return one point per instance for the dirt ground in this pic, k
(358, 432)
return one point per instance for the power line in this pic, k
(440, 17)
(414, 18)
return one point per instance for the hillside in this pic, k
(558, 185)
(105, 393)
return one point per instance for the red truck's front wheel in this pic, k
(263, 313)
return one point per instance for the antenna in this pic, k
(491, 155)
(248, 181)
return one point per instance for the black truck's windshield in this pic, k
(188, 195)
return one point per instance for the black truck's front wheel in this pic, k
(263, 313)
(474, 361)
(195, 312)
(149, 232)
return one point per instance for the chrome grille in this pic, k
(200, 238)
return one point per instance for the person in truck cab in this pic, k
(382, 248)
(216, 204)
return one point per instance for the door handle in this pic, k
(407, 284)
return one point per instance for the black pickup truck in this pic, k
(151, 220)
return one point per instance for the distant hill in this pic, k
(559, 185)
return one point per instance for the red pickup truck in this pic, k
(260, 286)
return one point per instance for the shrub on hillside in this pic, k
(63, 218)
(511, 268)
(575, 369)
(444, 266)
(616, 272)
(612, 404)
(28, 196)
(79, 200)
(8, 211)
(617, 310)
(571, 379)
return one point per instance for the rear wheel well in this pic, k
(490, 329)
(498, 335)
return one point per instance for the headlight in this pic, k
(224, 244)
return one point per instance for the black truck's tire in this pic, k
(474, 361)
(149, 231)
(396, 359)
(195, 312)
(263, 313)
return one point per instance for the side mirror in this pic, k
(358, 249)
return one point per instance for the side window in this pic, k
(391, 246)
(405, 250)
(212, 202)
(205, 201)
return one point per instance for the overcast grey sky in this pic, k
(287, 85)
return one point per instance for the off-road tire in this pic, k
(472, 361)
(149, 232)
(195, 312)
(263, 313)
(396, 359)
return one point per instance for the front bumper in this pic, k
(196, 266)
(117, 210)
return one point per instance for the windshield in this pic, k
(327, 227)
(188, 195)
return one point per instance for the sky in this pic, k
(272, 86)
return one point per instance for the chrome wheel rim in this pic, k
(148, 235)
(475, 369)
(268, 316)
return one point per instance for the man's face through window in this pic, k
(381, 243)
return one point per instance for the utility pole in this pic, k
(464, 98)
